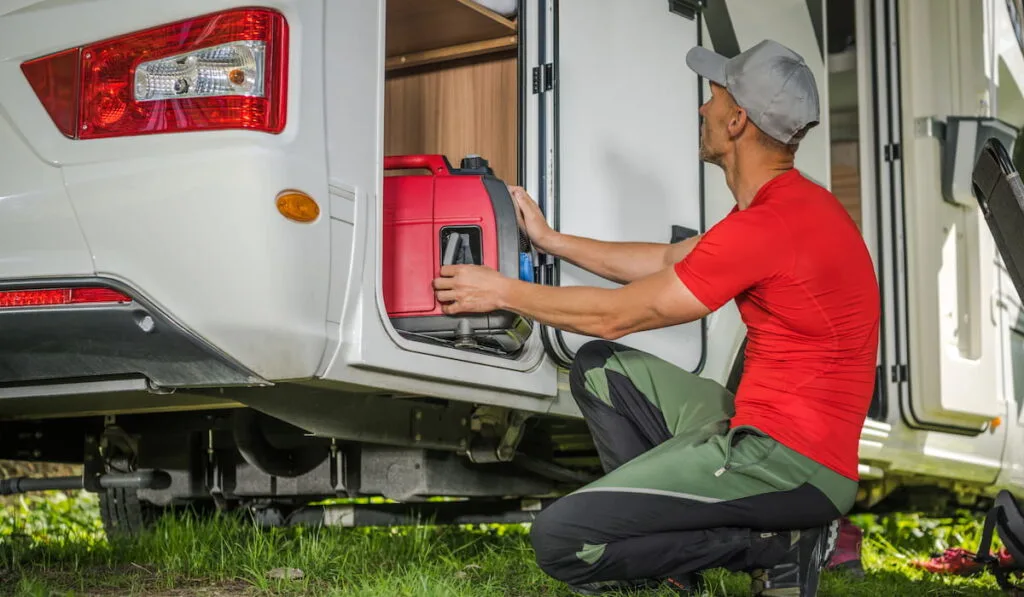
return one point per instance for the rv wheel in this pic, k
(124, 514)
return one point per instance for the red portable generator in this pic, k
(449, 216)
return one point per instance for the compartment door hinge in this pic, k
(893, 152)
(686, 8)
(899, 373)
(543, 78)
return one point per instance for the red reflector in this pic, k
(60, 296)
(54, 78)
(101, 81)
(97, 295)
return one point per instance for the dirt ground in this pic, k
(226, 590)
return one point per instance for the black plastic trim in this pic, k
(102, 341)
(720, 29)
(816, 8)
(686, 8)
(701, 184)
(506, 223)
(505, 329)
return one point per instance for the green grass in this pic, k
(54, 545)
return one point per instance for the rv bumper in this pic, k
(61, 343)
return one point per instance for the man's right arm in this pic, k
(621, 262)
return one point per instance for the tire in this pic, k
(124, 514)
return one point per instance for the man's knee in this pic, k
(592, 355)
(561, 551)
(549, 542)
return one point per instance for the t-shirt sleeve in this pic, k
(742, 250)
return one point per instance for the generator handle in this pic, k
(435, 163)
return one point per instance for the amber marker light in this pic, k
(297, 206)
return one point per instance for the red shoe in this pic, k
(960, 562)
(848, 546)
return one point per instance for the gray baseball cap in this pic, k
(771, 82)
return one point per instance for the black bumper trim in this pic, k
(65, 343)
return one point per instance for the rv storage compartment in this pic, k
(449, 216)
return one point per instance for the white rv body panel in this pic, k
(39, 232)
(197, 210)
(1011, 378)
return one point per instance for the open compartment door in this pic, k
(625, 134)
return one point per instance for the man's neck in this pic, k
(745, 177)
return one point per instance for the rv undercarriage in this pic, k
(405, 450)
(493, 464)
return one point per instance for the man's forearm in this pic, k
(621, 262)
(580, 309)
(659, 300)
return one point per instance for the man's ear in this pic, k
(737, 123)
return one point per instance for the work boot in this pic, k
(848, 548)
(798, 573)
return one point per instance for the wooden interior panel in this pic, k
(418, 25)
(455, 111)
(846, 177)
(452, 53)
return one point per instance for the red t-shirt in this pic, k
(805, 287)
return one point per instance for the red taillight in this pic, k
(226, 70)
(60, 296)
(55, 80)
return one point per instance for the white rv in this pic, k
(195, 256)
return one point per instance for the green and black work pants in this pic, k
(683, 492)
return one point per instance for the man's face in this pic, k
(715, 116)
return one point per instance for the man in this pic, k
(697, 478)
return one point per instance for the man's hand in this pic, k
(470, 289)
(531, 219)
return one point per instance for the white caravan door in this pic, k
(622, 160)
(955, 338)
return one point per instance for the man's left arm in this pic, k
(658, 300)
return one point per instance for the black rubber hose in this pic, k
(254, 447)
(27, 484)
(147, 479)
